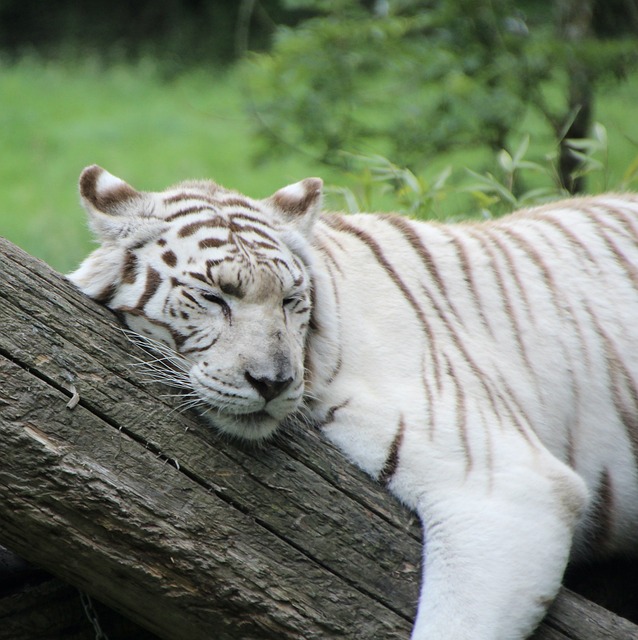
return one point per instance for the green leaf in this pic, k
(506, 161)
(521, 150)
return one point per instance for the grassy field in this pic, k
(55, 119)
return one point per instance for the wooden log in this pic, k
(104, 484)
(574, 617)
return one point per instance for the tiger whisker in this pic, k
(181, 394)
(161, 350)
(188, 406)
(161, 376)
(167, 380)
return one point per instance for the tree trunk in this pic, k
(574, 26)
(105, 485)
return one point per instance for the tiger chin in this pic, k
(486, 373)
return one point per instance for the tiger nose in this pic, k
(268, 388)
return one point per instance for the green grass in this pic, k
(57, 118)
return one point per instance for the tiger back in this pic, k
(487, 373)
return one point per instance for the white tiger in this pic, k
(487, 373)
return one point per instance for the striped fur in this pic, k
(486, 373)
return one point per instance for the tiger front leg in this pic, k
(494, 558)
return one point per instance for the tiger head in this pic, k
(217, 284)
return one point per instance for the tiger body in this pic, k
(485, 372)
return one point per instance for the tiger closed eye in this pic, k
(211, 297)
(292, 299)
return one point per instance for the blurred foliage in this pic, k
(408, 79)
(58, 117)
(417, 78)
(435, 86)
(485, 195)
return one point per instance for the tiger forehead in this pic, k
(221, 239)
(258, 281)
(184, 199)
(238, 264)
(200, 226)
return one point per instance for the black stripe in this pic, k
(339, 224)
(429, 399)
(238, 202)
(622, 260)
(392, 461)
(602, 514)
(153, 281)
(129, 270)
(189, 211)
(468, 275)
(198, 349)
(413, 238)
(251, 228)
(196, 194)
(327, 251)
(489, 243)
(194, 227)
(212, 243)
(624, 389)
(177, 337)
(330, 415)
(620, 214)
(106, 295)
(558, 302)
(461, 417)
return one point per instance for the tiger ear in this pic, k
(299, 203)
(112, 204)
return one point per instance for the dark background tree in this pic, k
(178, 32)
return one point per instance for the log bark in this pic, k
(104, 484)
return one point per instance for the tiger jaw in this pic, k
(255, 426)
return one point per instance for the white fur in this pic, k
(503, 393)
(108, 182)
(499, 527)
